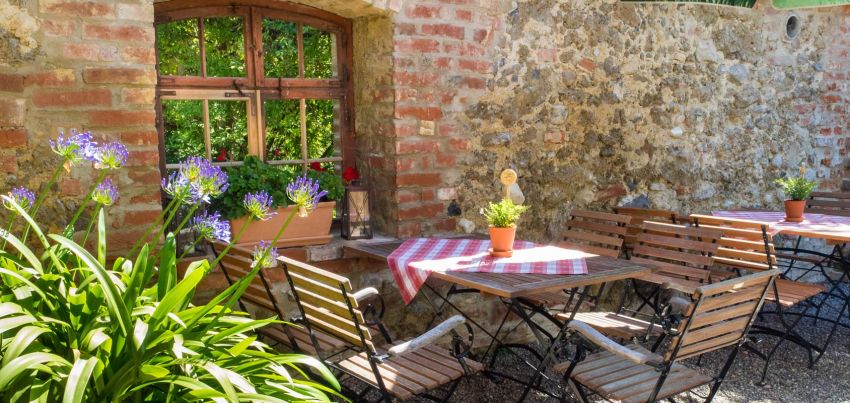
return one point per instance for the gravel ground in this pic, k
(789, 379)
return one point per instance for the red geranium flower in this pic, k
(222, 155)
(317, 166)
(350, 174)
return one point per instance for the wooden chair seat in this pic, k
(413, 373)
(813, 259)
(327, 344)
(793, 292)
(612, 324)
(618, 379)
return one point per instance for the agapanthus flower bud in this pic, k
(22, 196)
(259, 205)
(305, 194)
(211, 227)
(265, 256)
(106, 193)
(111, 156)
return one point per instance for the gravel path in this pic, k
(789, 379)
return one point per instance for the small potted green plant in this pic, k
(796, 190)
(255, 176)
(502, 217)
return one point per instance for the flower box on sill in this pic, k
(302, 231)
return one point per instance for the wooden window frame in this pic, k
(254, 86)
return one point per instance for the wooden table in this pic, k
(601, 269)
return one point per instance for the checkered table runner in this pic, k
(415, 259)
(776, 219)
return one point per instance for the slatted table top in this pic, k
(600, 269)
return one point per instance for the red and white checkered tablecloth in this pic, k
(811, 222)
(417, 258)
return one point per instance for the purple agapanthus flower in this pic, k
(265, 256)
(305, 194)
(179, 188)
(76, 148)
(111, 156)
(259, 205)
(106, 193)
(208, 181)
(211, 227)
(22, 196)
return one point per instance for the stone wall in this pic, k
(85, 65)
(600, 103)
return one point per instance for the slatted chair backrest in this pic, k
(745, 245)
(721, 315)
(832, 203)
(595, 232)
(639, 215)
(327, 304)
(678, 251)
(235, 265)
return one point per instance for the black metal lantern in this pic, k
(356, 223)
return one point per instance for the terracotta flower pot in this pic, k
(502, 241)
(794, 210)
(302, 231)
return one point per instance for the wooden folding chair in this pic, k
(720, 316)
(237, 264)
(404, 370)
(683, 256)
(588, 231)
(747, 246)
(639, 215)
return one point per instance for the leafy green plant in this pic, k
(81, 326)
(798, 188)
(504, 214)
(255, 175)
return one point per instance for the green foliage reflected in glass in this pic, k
(225, 48)
(228, 130)
(321, 125)
(178, 48)
(184, 130)
(280, 46)
(283, 129)
(318, 53)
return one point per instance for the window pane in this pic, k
(280, 48)
(178, 48)
(322, 128)
(283, 129)
(184, 130)
(319, 53)
(228, 130)
(225, 47)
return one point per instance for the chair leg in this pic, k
(722, 374)
(578, 391)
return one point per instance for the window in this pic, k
(238, 79)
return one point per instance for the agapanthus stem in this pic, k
(232, 242)
(286, 223)
(190, 248)
(41, 197)
(9, 224)
(186, 219)
(85, 202)
(91, 223)
(153, 226)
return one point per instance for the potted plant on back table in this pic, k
(796, 190)
(255, 176)
(502, 217)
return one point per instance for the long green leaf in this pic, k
(13, 322)
(23, 339)
(31, 285)
(223, 380)
(167, 266)
(241, 328)
(26, 363)
(786, 4)
(137, 277)
(25, 251)
(78, 380)
(115, 303)
(175, 296)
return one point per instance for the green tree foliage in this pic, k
(177, 44)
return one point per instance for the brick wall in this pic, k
(441, 65)
(92, 68)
